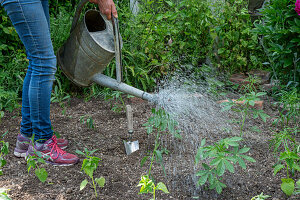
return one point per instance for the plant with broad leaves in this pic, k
(148, 186)
(89, 165)
(222, 156)
(288, 158)
(34, 161)
(246, 107)
(260, 197)
(297, 188)
(162, 122)
(3, 153)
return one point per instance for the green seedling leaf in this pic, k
(1, 172)
(203, 179)
(288, 186)
(42, 174)
(241, 162)
(144, 160)
(244, 150)
(100, 181)
(248, 158)
(83, 184)
(161, 186)
(229, 166)
(80, 152)
(2, 162)
(221, 168)
(278, 168)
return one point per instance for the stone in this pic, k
(257, 105)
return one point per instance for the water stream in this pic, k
(187, 98)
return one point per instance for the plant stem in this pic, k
(94, 186)
(154, 193)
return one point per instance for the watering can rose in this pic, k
(297, 8)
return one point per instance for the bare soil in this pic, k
(123, 172)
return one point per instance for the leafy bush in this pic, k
(280, 30)
(235, 48)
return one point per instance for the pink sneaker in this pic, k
(22, 145)
(53, 153)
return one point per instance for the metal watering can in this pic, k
(92, 44)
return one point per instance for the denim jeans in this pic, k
(31, 21)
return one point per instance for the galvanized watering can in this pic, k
(92, 44)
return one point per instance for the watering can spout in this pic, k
(114, 84)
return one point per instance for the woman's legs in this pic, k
(31, 20)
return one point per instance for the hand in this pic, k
(106, 7)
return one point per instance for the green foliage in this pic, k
(3, 152)
(284, 142)
(89, 166)
(3, 194)
(115, 98)
(245, 106)
(222, 156)
(161, 121)
(260, 197)
(280, 30)
(88, 120)
(148, 186)
(59, 95)
(235, 47)
(251, 84)
(164, 34)
(288, 106)
(33, 162)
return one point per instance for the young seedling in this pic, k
(288, 158)
(3, 153)
(34, 161)
(89, 165)
(160, 122)
(260, 197)
(148, 186)
(221, 158)
(246, 108)
(88, 120)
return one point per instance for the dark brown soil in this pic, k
(123, 172)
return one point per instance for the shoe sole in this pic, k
(20, 155)
(23, 155)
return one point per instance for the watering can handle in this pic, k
(77, 13)
(118, 53)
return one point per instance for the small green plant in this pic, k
(222, 156)
(3, 194)
(288, 107)
(160, 122)
(89, 165)
(250, 85)
(297, 188)
(59, 96)
(148, 186)
(34, 162)
(88, 120)
(115, 98)
(260, 197)
(3, 153)
(245, 106)
(288, 159)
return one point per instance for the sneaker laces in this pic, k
(55, 148)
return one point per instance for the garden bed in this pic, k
(122, 172)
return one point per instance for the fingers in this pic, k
(107, 7)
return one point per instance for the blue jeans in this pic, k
(31, 21)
